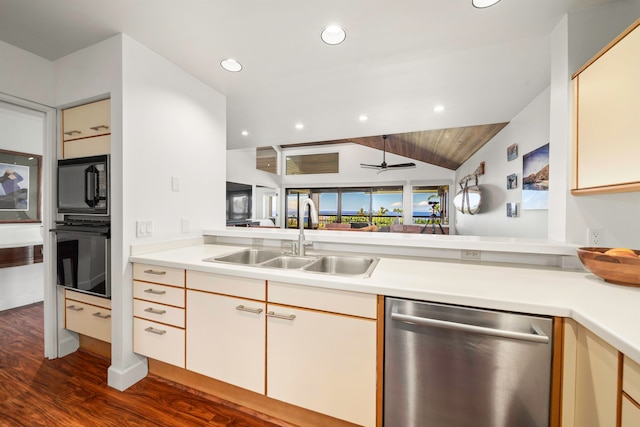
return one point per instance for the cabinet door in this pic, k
(226, 339)
(159, 341)
(596, 381)
(87, 120)
(323, 362)
(86, 147)
(607, 108)
(630, 413)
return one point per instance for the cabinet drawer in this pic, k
(156, 274)
(631, 379)
(87, 120)
(336, 301)
(88, 320)
(88, 299)
(160, 342)
(228, 285)
(159, 313)
(630, 413)
(86, 147)
(159, 293)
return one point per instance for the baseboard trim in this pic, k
(123, 379)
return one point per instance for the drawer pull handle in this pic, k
(154, 292)
(249, 310)
(71, 132)
(281, 316)
(154, 311)
(102, 316)
(99, 127)
(157, 273)
(155, 331)
(74, 308)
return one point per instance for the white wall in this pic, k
(25, 75)
(530, 130)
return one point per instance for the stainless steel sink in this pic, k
(340, 265)
(289, 262)
(247, 256)
(330, 264)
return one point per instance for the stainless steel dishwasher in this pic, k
(451, 366)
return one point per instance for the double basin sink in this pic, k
(356, 266)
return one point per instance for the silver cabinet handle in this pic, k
(74, 308)
(100, 315)
(154, 311)
(538, 337)
(155, 331)
(154, 292)
(71, 132)
(158, 273)
(249, 310)
(281, 316)
(99, 127)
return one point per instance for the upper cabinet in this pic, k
(606, 119)
(86, 129)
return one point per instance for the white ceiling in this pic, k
(399, 60)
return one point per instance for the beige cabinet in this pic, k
(606, 101)
(226, 333)
(88, 315)
(86, 129)
(631, 393)
(323, 360)
(159, 313)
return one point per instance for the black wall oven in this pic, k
(83, 260)
(83, 185)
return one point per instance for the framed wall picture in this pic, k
(512, 210)
(20, 177)
(535, 179)
(512, 152)
(512, 181)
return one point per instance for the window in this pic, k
(430, 204)
(381, 206)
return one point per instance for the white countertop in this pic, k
(610, 311)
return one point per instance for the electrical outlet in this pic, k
(470, 254)
(595, 237)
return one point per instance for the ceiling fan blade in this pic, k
(370, 166)
(402, 165)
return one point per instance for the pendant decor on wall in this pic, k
(535, 179)
(469, 199)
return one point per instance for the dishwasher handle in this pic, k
(537, 337)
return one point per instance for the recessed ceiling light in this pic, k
(231, 65)
(299, 126)
(438, 108)
(333, 34)
(363, 118)
(481, 4)
(245, 133)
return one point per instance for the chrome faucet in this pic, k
(313, 218)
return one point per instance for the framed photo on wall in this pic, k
(512, 152)
(20, 178)
(535, 179)
(512, 210)
(512, 181)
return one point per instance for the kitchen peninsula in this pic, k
(608, 311)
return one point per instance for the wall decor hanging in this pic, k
(469, 199)
(512, 181)
(535, 179)
(20, 175)
(512, 152)
(512, 210)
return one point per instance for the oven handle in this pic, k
(90, 186)
(88, 232)
(538, 337)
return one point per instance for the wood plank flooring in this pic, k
(72, 391)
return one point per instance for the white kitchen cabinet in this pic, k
(606, 101)
(322, 361)
(159, 313)
(88, 315)
(630, 413)
(631, 395)
(226, 339)
(86, 129)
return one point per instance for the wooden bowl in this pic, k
(621, 270)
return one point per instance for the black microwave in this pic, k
(83, 185)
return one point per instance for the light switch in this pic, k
(175, 183)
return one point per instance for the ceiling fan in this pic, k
(384, 166)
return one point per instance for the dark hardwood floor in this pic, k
(72, 391)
